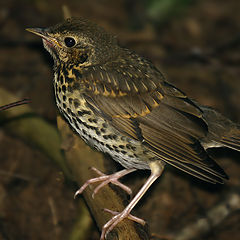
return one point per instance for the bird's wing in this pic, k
(155, 113)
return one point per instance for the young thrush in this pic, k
(121, 104)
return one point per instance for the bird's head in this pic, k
(77, 41)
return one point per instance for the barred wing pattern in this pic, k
(140, 103)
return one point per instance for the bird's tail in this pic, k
(221, 129)
(232, 139)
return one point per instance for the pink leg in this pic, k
(157, 170)
(130, 216)
(105, 179)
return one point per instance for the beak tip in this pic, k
(28, 29)
(37, 31)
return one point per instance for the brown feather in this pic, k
(122, 75)
(139, 103)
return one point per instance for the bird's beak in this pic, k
(38, 31)
(43, 33)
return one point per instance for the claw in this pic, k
(105, 179)
(118, 217)
(129, 216)
(157, 170)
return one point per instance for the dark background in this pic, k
(196, 44)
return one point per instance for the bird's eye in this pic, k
(69, 41)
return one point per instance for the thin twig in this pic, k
(66, 12)
(14, 104)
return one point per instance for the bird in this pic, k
(122, 105)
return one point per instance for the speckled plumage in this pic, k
(95, 130)
(122, 105)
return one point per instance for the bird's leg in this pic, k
(156, 171)
(105, 179)
(130, 216)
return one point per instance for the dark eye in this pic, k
(69, 41)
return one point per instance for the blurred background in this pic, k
(194, 43)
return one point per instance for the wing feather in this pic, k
(140, 103)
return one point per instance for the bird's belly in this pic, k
(122, 149)
(98, 133)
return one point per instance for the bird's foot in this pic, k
(117, 218)
(105, 179)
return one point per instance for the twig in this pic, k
(66, 12)
(14, 104)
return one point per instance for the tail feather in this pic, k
(203, 174)
(232, 139)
